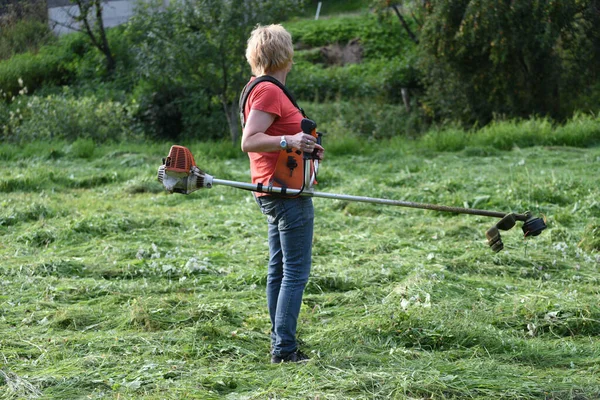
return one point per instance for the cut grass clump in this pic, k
(139, 186)
(58, 268)
(76, 318)
(33, 212)
(108, 224)
(591, 237)
(82, 148)
(38, 237)
(172, 313)
(554, 321)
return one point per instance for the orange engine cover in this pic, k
(289, 170)
(180, 159)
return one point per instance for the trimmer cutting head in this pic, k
(531, 227)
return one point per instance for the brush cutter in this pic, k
(180, 174)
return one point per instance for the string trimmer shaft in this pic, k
(179, 174)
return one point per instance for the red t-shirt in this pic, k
(267, 97)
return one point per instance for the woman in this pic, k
(273, 124)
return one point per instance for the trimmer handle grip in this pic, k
(309, 127)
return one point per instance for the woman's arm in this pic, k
(255, 140)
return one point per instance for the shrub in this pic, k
(91, 68)
(169, 111)
(364, 118)
(380, 38)
(53, 65)
(23, 36)
(66, 117)
(376, 79)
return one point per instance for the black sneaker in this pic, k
(294, 357)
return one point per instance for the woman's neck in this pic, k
(279, 75)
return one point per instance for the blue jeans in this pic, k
(290, 250)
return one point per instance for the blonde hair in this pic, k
(269, 49)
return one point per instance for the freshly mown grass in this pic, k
(113, 289)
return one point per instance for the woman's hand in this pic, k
(306, 143)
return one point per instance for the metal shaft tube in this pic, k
(363, 199)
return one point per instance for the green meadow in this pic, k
(113, 289)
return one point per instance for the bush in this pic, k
(364, 118)
(380, 79)
(91, 69)
(23, 36)
(53, 65)
(171, 111)
(380, 38)
(66, 117)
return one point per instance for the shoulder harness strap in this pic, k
(248, 89)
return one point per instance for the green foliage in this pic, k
(177, 111)
(379, 38)
(168, 77)
(23, 36)
(53, 65)
(447, 139)
(31, 71)
(307, 33)
(200, 45)
(380, 80)
(66, 117)
(23, 27)
(580, 131)
(364, 118)
(334, 7)
(483, 57)
(83, 148)
(91, 67)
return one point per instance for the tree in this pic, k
(481, 58)
(487, 57)
(412, 7)
(88, 19)
(202, 43)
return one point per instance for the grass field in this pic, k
(112, 289)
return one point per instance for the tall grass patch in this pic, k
(582, 130)
(508, 134)
(449, 139)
